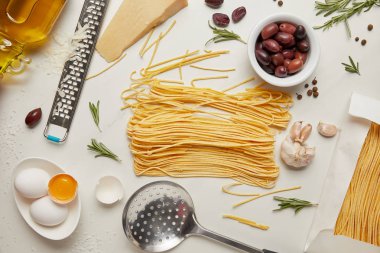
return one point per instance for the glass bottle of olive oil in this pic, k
(22, 23)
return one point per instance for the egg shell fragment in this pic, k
(32, 183)
(109, 190)
(47, 213)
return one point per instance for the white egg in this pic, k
(32, 183)
(47, 213)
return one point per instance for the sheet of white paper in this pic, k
(321, 238)
(365, 107)
(326, 242)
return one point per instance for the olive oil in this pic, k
(22, 23)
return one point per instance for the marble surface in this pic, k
(100, 228)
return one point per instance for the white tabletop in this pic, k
(100, 228)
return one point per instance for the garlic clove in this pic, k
(295, 131)
(327, 130)
(305, 133)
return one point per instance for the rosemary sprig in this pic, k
(95, 113)
(351, 68)
(102, 150)
(344, 11)
(296, 204)
(223, 35)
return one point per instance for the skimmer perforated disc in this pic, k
(156, 217)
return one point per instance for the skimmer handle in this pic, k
(199, 230)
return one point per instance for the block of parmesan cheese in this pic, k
(132, 21)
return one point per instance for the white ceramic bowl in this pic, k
(310, 64)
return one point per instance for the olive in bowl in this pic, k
(283, 50)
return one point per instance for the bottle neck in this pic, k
(11, 54)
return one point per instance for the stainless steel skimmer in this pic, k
(160, 215)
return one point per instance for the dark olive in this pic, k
(303, 46)
(300, 33)
(33, 117)
(287, 62)
(271, 45)
(288, 54)
(214, 3)
(269, 30)
(259, 45)
(287, 28)
(295, 66)
(278, 59)
(291, 44)
(281, 71)
(220, 19)
(301, 56)
(262, 56)
(268, 68)
(284, 38)
(238, 14)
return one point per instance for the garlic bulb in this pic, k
(327, 130)
(295, 154)
(293, 150)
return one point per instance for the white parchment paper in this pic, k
(321, 238)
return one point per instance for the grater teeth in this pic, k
(75, 70)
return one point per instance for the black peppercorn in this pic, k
(280, 3)
(306, 85)
(315, 89)
(309, 93)
(299, 96)
(314, 82)
(315, 94)
(357, 39)
(364, 42)
(370, 27)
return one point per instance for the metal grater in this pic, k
(74, 73)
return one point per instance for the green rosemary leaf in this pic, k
(353, 68)
(344, 10)
(94, 109)
(296, 204)
(223, 35)
(102, 150)
(298, 209)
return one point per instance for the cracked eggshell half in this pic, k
(109, 190)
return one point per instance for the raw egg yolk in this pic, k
(62, 188)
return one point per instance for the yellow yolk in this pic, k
(62, 188)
